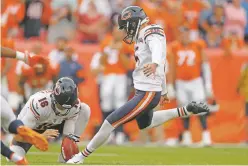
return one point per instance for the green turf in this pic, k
(111, 155)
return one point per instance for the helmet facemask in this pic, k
(132, 29)
(60, 110)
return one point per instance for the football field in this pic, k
(136, 155)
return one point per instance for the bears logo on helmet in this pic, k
(57, 90)
(126, 15)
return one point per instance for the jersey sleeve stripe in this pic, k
(36, 114)
(161, 34)
(156, 30)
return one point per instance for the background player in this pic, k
(49, 108)
(8, 119)
(191, 74)
(115, 62)
(149, 82)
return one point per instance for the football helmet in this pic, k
(64, 96)
(130, 20)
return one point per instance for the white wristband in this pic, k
(20, 56)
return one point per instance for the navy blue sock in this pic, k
(14, 125)
(5, 151)
(186, 123)
(203, 120)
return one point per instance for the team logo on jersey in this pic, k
(126, 15)
(57, 90)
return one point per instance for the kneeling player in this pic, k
(46, 109)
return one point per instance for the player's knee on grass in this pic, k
(14, 125)
(20, 148)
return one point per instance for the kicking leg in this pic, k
(160, 117)
(142, 101)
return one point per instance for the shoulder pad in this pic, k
(154, 29)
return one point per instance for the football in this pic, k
(68, 148)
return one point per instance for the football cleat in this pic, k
(76, 159)
(197, 107)
(32, 137)
(23, 161)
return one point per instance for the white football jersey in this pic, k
(150, 47)
(38, 112)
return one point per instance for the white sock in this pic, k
(162, 116)
(15, 157)
(99, 139)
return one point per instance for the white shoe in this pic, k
(120, 138)
(187, 139)
(77, 159)
(206, 138)
(171, 142)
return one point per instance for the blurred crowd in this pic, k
(218, 23)
(221, 23)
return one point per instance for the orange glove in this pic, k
(34, 59)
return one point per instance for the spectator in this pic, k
(57, 55)
(37, 14)
(216, 18)
(71, 68)
(191, 12)
(213, 38)
(150, 9)
(91, 25)
(173, 17)
(118, 5)
(235, 18)
(232, 42)
(103, 7)
(245, 6)
(62, 22)
(12, 14)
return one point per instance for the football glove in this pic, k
(73, 137)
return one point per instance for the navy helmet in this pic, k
(130, 20)
(65, 94)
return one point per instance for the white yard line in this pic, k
(56, 154)
(134, 165)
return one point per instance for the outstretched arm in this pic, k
(26, 57)
(9, 53)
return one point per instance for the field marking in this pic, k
(133, 165)
(56, 154)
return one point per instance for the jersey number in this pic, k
(43, 102)
(113, 56)
(187, 57)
